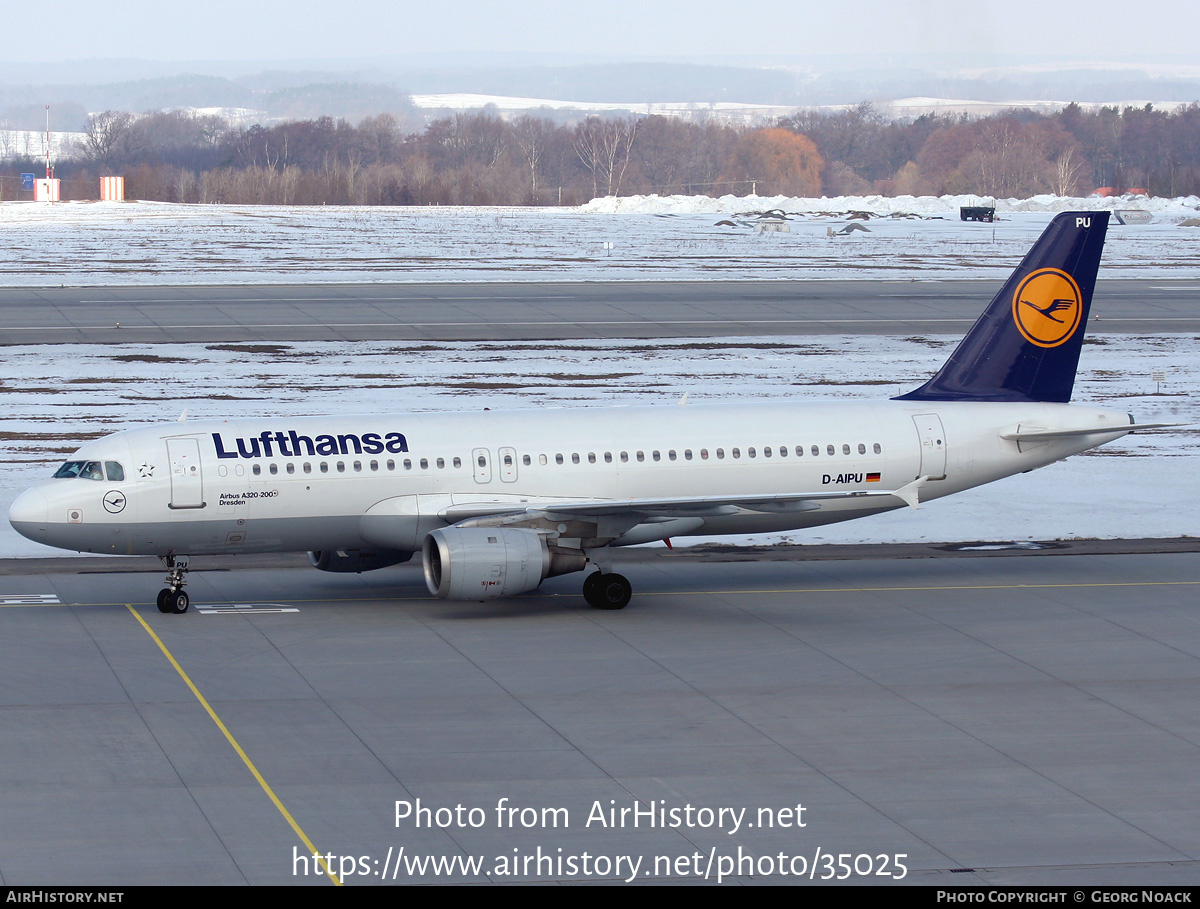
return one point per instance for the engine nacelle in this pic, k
(481, 563)
(356, 560)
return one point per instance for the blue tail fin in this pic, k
(1025, 346)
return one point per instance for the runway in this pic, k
(941, 721)
(517, 311)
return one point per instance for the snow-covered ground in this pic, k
(55, 396)
(652, 238)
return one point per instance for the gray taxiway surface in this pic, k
(537, 311)
(949, 721)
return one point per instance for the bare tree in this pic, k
(110, 138)
(604, 146)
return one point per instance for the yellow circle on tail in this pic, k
(1047, 307)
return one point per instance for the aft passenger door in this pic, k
(933, 445)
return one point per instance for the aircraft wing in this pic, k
(640, 510)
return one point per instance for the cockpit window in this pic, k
(84, 470)
(116, 473)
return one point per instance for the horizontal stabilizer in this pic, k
(1044, 435)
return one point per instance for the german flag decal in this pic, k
(872, 478)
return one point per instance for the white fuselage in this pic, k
(351, 483)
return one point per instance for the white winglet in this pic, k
(909, 492)
(182, 416)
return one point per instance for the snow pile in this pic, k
(926, 206)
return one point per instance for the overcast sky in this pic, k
(274, 30)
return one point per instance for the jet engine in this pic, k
(481, 563)
(356, 560)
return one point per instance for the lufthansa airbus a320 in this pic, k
(495, 502)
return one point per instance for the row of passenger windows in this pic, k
(591, 457)
(703, 454)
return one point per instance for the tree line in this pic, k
(481, 158)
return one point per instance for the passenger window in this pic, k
(558, 459)
(624, 457)
(425, 463)
(737, 453)
(671, 454)
(256, 469)
(799, 451)
(845, 449)
(720, 454)
(641, 456)
(703, 454)
(307, 467)
(830, 450)
(591, 457)
(878, 448)
(441, 463)
(656, 455)
(324, 467)
(767, 452)
(750, 453)
(407, 464)
(341, 466)
(375, 465)
(783, 451)
(574, 457)
(457, 462)
(116, 473)
(608, 457)
(526, 460)
(274, 469)
(816, 450)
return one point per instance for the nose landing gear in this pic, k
(173, 598)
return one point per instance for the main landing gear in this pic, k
(607, 590)
(173, 598)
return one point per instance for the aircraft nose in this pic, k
(28, 515)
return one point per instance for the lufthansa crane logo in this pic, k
(114, 502)
(1047, 307)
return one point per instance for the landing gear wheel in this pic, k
(607, 591)
(591, 587)
(179, 602)
(164, 600)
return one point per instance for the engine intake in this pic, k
(481, 563)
